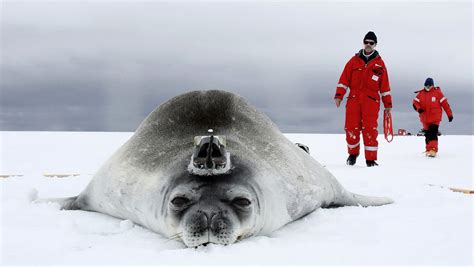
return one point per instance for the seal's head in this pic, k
(219, 209)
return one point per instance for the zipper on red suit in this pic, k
(364, 78)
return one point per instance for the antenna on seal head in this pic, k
(210, 156)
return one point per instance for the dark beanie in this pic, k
(370, 36)
(429, 82)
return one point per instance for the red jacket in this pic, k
(363, 79)
(431, 102)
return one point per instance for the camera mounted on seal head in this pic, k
(210, 156)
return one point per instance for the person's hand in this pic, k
(420, 110)
(450, 119)
(338, 101)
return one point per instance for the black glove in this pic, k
(421, 110)
(450, 119)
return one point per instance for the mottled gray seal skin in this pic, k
(272, 181)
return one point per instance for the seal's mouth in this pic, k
(201, 229)
(204, 244)
(204, 240)
(213, 243)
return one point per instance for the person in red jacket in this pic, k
(428, 103)
(366, 77)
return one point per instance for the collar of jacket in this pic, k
(423, 89)
(374, 55)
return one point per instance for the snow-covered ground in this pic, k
(426, 225)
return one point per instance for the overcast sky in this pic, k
(103, 66)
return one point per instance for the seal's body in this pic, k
(270, 183)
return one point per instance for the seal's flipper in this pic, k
(69, 203)
(303, 146)
(366, 201)
(351, 199)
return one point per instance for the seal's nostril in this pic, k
(212, 217)
(208, 217)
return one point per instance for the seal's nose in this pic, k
(205, 219)
(209, 217)
(208, 224)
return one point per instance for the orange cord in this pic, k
(459, 190)
(387, 126)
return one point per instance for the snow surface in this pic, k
(426, 225)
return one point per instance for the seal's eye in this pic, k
(241, 202)
(180, 201)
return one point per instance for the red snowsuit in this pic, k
(430, 103)
(367, 80)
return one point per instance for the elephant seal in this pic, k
(176, 177)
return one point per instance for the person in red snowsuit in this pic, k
(366, 78)
(428, 103)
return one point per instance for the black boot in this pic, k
(351, 160)
(371, 163)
